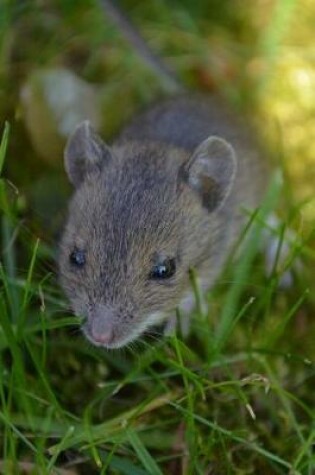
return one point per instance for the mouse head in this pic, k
(138, 221)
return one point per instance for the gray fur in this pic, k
(167, 187)
(84, 143)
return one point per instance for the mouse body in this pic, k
(165, 197)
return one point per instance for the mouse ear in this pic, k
(210, 171)
(85, 152)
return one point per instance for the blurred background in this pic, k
(64, 60)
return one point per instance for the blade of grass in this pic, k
(8, 252)
(43, 378)
(190, 430)
(249, 445)
(306, 452)
(27, 292)
(272, 338)
(27, 288)
(59, 448)
(123, 465)
(285, 401)
(144, 456)
(18, 370)
(9, 263)
(242, 268)
(115, 426)
(92, 447)
(4, 144)
(5, 419)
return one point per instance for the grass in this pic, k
(235, 397)
(238, 400)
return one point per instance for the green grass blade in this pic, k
(4, 145)
(242, 269)
(27, 288)
(9, 275)
(59, 448)
(250, 445)
(278, 332)
(27, 291)
(123, 465)
(43, 377)
(5, 419)
(305, 451)
(144, 456)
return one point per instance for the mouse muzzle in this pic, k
(100, 325)
(108, 326)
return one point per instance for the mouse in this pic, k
(167, 195)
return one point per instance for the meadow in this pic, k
(237, 395)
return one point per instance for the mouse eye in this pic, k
(164, 269)
(77, 258)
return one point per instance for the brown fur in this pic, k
(162, 189)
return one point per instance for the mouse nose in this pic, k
(102, 325)
(104, 337)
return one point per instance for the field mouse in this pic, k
(165, 197)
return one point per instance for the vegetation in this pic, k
(237, 396)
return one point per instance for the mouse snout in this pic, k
(102, 325)
(108, 326)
